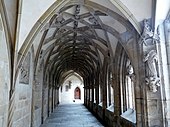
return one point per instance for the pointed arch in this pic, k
(77, 93)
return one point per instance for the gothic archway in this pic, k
(77, 93)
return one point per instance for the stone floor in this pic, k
(71, 115)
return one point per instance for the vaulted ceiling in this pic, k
(71, 35)
(79, 36)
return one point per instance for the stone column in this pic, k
(89, 96)
(148, 42)
(92, 87)
(104, 106)
(55, 98)
(85, 92)
(32, 104)
(84, 95)
(166, 71)
(52, 100)
(97, 90)
(42, 110)
(58, 96)
(48, 100)
(109, 85)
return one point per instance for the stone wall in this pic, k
(23, 94)
(23, 101)
(45, 104)
(110, 119)
(67, 94)
(37, 100)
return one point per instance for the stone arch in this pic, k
(47, 15)
(71, 73)
(109, 30)
(5, 71)
(122, 69)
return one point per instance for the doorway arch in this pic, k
(77, 93)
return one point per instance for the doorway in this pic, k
(77, 93)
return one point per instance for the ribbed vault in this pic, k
(78, 38)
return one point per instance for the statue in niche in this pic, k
(24, 71)
(152, 79)
(130, 71)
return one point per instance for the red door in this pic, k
(77, 94)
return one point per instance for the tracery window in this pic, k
(127, 92)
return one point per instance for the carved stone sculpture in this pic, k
(24, 71)
(152, 79)
(130, 72)
(93, 20)
(151, 60)
(147, 33)
(153, 83)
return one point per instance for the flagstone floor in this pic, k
(71, 115)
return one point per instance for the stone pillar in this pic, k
(85, 88)
(42, 109)
(92, 87)
(104, 106)
(84, 95)
(55, 98)
(52, 100)
(48, 101)
(148, 42)
(166, 71)
(97, 90)
(32, 104)
(58, 96)
(89, 96)
(109, 85)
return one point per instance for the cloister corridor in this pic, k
(113, 56)
(71, 111)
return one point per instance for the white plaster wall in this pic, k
(162, 8)
(11, 10)
(141, 9)
(68, 96)
(31, 11)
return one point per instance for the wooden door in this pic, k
(77, 93)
